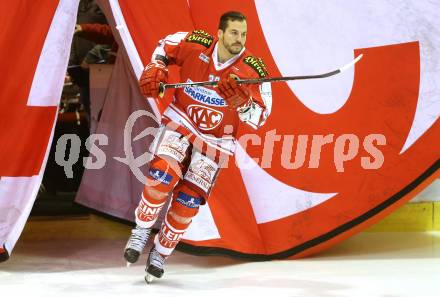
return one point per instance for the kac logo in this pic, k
(204, 117)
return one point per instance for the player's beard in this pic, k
(234, 48)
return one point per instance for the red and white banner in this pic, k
(368, 138)
(35, 46)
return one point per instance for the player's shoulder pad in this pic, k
(200, 37)
(256, 64)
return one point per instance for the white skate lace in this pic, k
(138, 239)
(156, 259)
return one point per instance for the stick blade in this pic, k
(349, 65)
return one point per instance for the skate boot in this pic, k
(155, 265)
(136, 243)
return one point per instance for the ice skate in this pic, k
(154, 268)
(136, 243)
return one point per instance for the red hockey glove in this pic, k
(235, 95)
(153, 74)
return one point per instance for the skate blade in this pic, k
(149, 278)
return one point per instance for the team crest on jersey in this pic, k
(205, 117)
(200, 37)
(256, 64)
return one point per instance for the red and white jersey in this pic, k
(201, 109)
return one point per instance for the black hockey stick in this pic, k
(163, 87)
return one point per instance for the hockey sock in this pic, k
(148, 211)
(185, 205)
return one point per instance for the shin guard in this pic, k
(184, 207)
(160, 182)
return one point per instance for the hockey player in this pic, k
(182, 168)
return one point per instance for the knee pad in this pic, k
(185, 201)
(161, 176)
